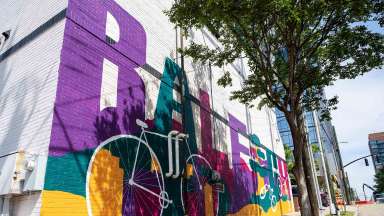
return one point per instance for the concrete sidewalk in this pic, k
(351, 208)
(371, 210)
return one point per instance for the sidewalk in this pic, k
(351, 208)
(371, 210)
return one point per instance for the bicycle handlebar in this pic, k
(144, 126)
(141, 123)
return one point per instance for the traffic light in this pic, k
(377, 159)
(366, 162)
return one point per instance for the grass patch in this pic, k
(345, 213)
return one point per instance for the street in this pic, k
(371, 210)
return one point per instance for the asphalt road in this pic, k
(371, 210)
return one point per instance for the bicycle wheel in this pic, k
(116, 181)
(263, 191)
(196, 193)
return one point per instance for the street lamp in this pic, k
(332, 207)
(346, 189)
(343, 166)
(364, 157)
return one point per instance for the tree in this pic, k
(379, 181)
(294, 48)
(290, 163)
(379, 10)
(316, 150)
(289, 158)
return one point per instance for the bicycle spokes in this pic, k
(142, 189)
(197, 194)
(142, 186)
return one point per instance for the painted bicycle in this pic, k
(143, 189)
(272, 196)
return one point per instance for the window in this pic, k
(312, 137)
(282, 124)
(309, 119)
(287, 139)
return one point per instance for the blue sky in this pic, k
(360, 112)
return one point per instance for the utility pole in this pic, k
(371, 155)
(314, 173)
(365, 196)
(183, 82)
(331, 206)
(344, 177)
(345, 186)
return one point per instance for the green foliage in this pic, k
(345, 213)
(289, 158)
(225, 80)
(315, 148)
(379, 181)
(379, 11)
(293, 48)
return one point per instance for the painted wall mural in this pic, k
(105, 158)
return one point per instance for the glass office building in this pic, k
(376, 147)
(327, 136)
(330, 148)
(285, 132)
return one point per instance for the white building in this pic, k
(75, 73)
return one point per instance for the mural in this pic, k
(105, 158)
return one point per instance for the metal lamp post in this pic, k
(346, 189)
(332, 206)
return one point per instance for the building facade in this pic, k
(329, 145)
(376, 147)
(98, 117)
(333, 161)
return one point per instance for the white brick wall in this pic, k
(28, 79)
(22, 17)
(161, 43)
(26, 205)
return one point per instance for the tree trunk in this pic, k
(304, 202)
(298, 137)
(310, 182)
(303, 173)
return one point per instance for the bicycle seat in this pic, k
(141, 123)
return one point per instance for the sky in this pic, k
(360, 112)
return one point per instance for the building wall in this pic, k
(329, 143)
(376, 147)
(118, 63)
(29, 62)
(332, 160)
(26, 204)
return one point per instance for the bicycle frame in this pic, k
(172, 135)
(267, 188)
(163, 195)
(173, 139)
